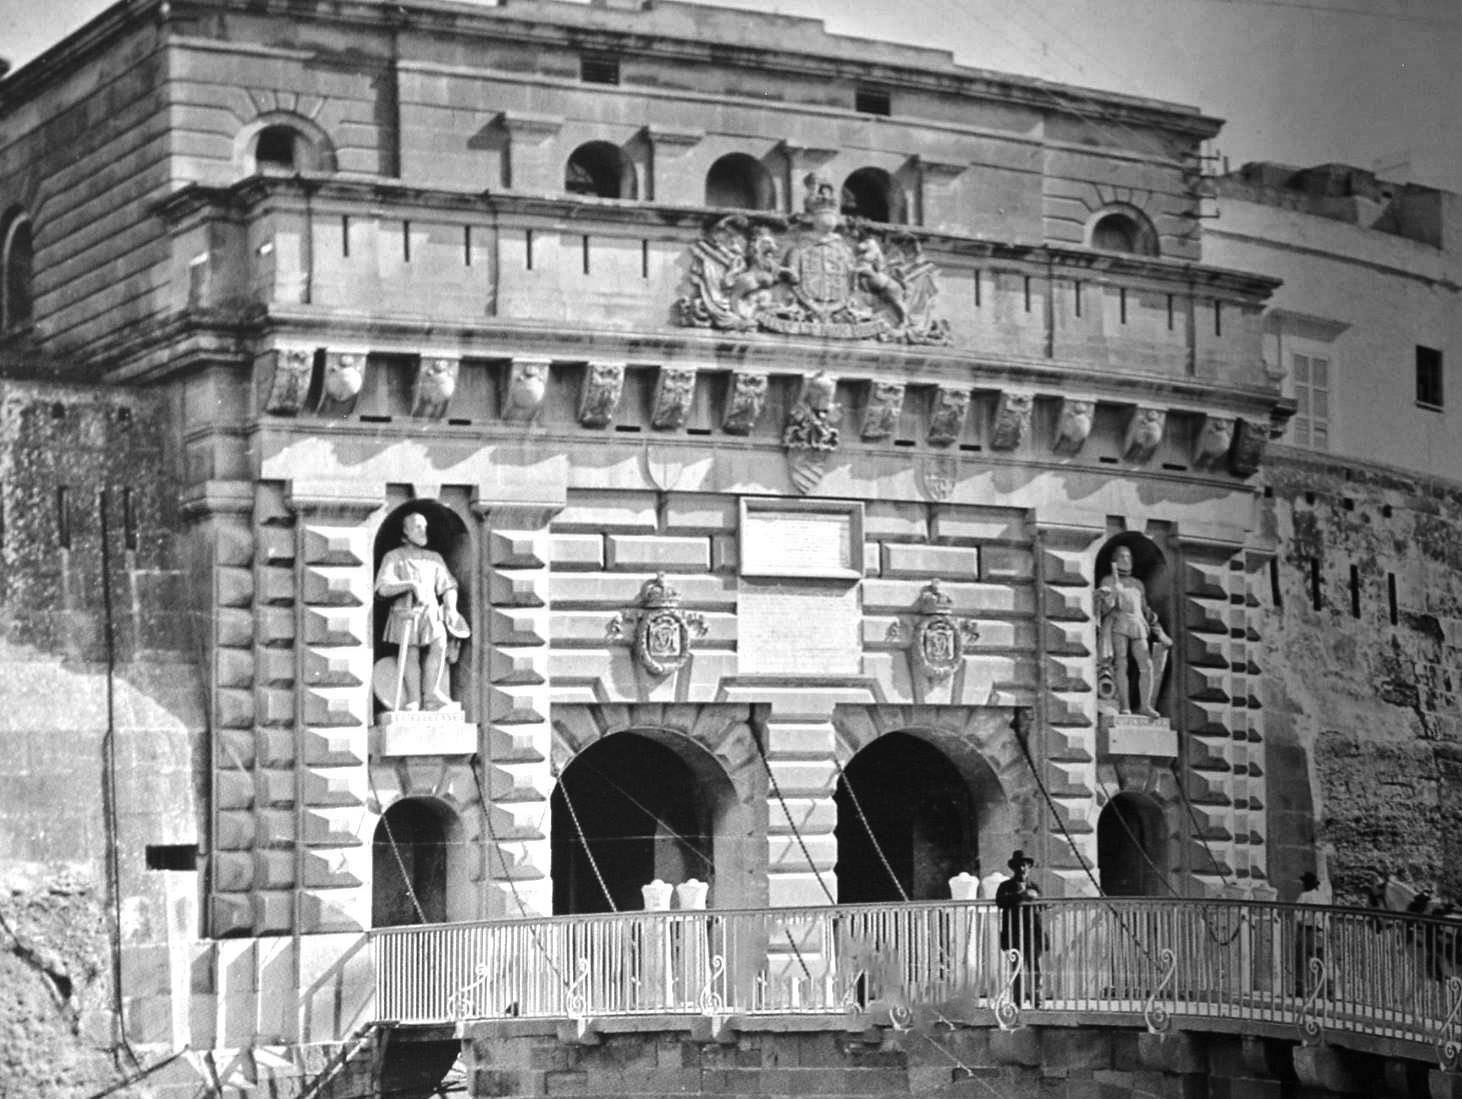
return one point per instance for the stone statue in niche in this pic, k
(1012, 420)
(885, 404)
(599, 400)
(1144, 433)
(674, 392)
(1130, 631)
(826, 278)
(423, 623)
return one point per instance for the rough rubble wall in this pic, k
(1365, 743)
(68, 788)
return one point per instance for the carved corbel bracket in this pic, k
(523, 397)
(1144, 433)
(947, 417)
(885, 404)
(1213, 442)
(744, 402)
(599, 400)
(289, 379)
(812, 431)
(936, 639)
(344, 379)
(674, 393)
(1247, 451)
(1012, 420)
(657, 628)
(1073, 425)
(436, 382)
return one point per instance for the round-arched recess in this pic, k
(1151, 567)
(1131, 847)
(636, 806)
(1123, 229)
(416, 862)
(740, 182)
(599, 168)
(283, 142)
(447, 535)
(905, 814)
(17, 266)
(874, 195)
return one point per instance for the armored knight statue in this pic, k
(423, 622)
(1130, 631)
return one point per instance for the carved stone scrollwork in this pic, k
(673, 395)
(1012, 420)
(825, 278)
(344, 379)
(885, 403)
(523, 397)
(436, 382)
(289, 382)
(603, 385)
(1144, 433)
(1213, 442)
(1247, 452)
(1073, 425)
(744, 402)
(947, 416)
(659, 630)
(812, 431)
(937, 638)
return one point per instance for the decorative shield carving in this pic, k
(812, 431)
(938, 474)
(937, 638)
(824, 278)
(662, 632)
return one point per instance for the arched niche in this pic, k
(874, 195)
(928, 808)
(600, 169)
(1132, 842)
(17, 269)
(282, 143)
(418, 861)
(1122, 229)
(740, 182)
(448, 536)
(639, 805)
(1150, 566)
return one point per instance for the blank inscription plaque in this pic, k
(798, 627)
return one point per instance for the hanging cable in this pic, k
(661, 822)
(787, 812)
(396, 852)
(584, 841)
(877, 847)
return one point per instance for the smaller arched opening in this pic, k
(739, 182)
(1128, 616)
(637, 806)
(874, 195)
(407, 676)
(278, 149)
(1123, 230)
(1132, 847)
(601, 170)
(413, 852)
(17, 269)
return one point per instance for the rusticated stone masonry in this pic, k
(519, 774)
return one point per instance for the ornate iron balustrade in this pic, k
(1320, 969)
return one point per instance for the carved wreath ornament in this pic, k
(658, 629)
(937, 639)
(822, 277)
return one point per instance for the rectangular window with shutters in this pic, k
(1312, 383)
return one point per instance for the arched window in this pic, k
(874, 195)
(1124, 231)
(410, 864)
(601, 169)
(1132, 847)
(276, 149)
(17, 263)
(740, 182)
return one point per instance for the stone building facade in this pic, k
(775, 406)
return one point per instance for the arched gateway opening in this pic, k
(903, 798)
(632, 808)
(1131, 840)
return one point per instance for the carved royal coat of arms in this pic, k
(823, 277)
(659, 630)
(939, 639)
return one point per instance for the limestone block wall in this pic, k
(1361, 618)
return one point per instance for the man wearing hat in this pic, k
(1020, 923)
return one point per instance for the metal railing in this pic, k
(1334, 969)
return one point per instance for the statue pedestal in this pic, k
(1134, 735)
(423, 733)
